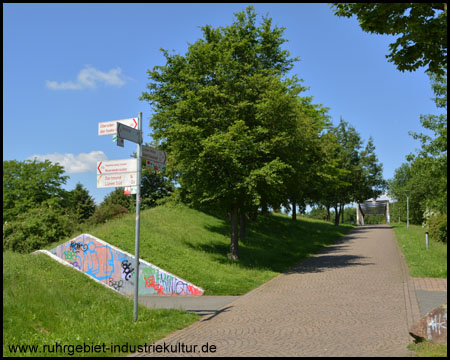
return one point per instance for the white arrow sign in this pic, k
(119, 180)
(128, 133)
(109, 127)
(153, 154)
(116, 166)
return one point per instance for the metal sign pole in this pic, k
(138, 203)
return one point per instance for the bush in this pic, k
(318, 212)
(107, 211)
(37, 228)
(437, 227)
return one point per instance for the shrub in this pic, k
(107, 211)
(437, 227)
(37, 228)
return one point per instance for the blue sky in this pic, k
(67, 67)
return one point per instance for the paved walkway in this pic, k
(431, 293)
(353, 298)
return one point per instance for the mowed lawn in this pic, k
(194, 246)
(46, 303)
(421, 262)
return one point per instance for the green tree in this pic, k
(118, 197)
(224, 113)
(422, 30)
(433, 152)
(27, 184)
(81, 203)
(350, 173)
(348, 153)
(410, 181)
(331, 173)
(37, 227)
(372, 183)
(305, 155)
(424, 175)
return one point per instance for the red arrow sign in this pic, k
(135, 123)
(98, 167)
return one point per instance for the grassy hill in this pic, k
(45, 302)
(194, 246)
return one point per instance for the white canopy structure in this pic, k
(372, 207)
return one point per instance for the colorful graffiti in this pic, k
(115, 268)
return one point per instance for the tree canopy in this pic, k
(421, 30)
(28, 184)
(238, 132)
(424, 175)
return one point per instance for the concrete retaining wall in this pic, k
(115, 268)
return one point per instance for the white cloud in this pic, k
(74, 163)
(89, 77)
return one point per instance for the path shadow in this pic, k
(272, 242)
(214, 312)
(329, 258)
(372, 227)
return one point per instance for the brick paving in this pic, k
(430, 284)
(353, 298)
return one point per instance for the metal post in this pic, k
(138, 221)
(426, 239)
(407, 211)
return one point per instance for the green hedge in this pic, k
(36, 228)
(437, 226)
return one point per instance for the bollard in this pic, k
(426, 239)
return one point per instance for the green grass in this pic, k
(428, 349)
(421, 262)
(194, 246)
(45, 302)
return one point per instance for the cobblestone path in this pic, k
(353, 298)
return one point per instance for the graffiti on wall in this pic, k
(115, 268)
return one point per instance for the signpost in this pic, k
(109, 127)
(127, 173)
(138, 221)
(128, 133)
(117, 180)
(116, 166)
(124, 173)
(155, 158)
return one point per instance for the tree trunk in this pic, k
(328, 213)
(264, 209)
(336, 215)
(294, 211)
(234, 233)
(342, 213)
(242, 227)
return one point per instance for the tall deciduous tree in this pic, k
(225, 112)
(82, 204)
(27, 184)
(422, 30)
(425, 174)
(350, 173)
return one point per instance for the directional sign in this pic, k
(155, 165)
(128, 133)
(116, 166)
(119, 180)
(109, 127)
(130, 190)
(153, 154)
